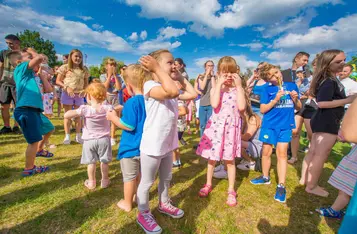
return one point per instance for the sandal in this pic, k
(90, 184)
(330, 213)
(292, 160)
(105, 183)
(232, 199)
(44, 153)
(204, 192)
(35, 170)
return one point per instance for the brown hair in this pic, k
(248, 113)
(97, 91)
(350, 66)
(323, 69)
(70, 62)
(157, 54)
(139, 75)
(300, 54)
(227, 64)
(264, 71)
(208, 61)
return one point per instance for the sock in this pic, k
(176, 163)
(78, 135)
(281, 185)
(179, 162)
(266, 177)
(68, 136)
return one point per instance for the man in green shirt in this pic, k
(7, 84)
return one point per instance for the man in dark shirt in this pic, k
(301, 59)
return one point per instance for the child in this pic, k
(113, 86)
(277, 103)
(181, 126)
(57, 92)
(221, 139)
(132, 123)
(48, 95)
(29, 108)
(96, 134)
(73, 78)
(159, 137)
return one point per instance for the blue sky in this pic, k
(195, 30)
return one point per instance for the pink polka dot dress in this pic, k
(221, 139)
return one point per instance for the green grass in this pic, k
(57, 202)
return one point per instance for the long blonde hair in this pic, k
(70, 62)
(139, 75)
(227, 64)
(323, 71)
(157, 54)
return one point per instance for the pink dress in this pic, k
(221, 139)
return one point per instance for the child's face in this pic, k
(229, 78)
(178, 65)
(167, 63)
(26, 56)
(300, 75)
(275, 76)
(110, 67)
(76, 58)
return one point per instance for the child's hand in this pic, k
(221, 79)
(149, 63)
(111, 115)
(237, 80)
(82, 93)
(178, 85)
(70, 92)
(294, 96)
(279, 94)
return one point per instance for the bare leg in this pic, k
(295, 142)
(5, 113)
(91, 171)
(67, 122)
(266, 158)
(231, 169)
(307, 160)
(308, 128)
(210, 169)
(31, 155)
(45, 139)
(104, 168)
(281, 152)
(126, 204)
(341, 201)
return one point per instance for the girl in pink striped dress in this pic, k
(344, 178)
(221, 139)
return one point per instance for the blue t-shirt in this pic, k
(281, 116)
(27, 91)
(133, 117)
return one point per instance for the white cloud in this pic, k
(341, 34)
(17, 1)
(59, 29)
(153, 45)
(170, 32)
(210, 18)
(143, 35)
(86, 18)
(97, 27)
(133, 36)
(254, 46)
(241, 60)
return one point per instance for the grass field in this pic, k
(57, 202)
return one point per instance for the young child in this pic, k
(73, 78)
(277, 103)
(132, 123)
(159, 137)
(181, 126)
(221, 139)
(29, 108)
(48, 95)
(96, 134)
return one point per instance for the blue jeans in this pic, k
(205, 113)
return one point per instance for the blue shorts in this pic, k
(33, 124)
(275, 136)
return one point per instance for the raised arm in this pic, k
(216, 91)
(189, 92)
(241, 102)
(196, 86)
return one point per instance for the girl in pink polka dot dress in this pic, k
(221, 139)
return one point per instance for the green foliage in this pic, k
(353, 60)
(94, 71)
(34, 40)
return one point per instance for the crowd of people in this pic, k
(154, 105)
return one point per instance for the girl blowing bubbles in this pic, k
(159, 138)
(221, 139)
(96, 133)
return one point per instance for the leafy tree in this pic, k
(353, 60)
(192, 81)
(34, 40)
(94, 71)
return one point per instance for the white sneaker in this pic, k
(247, 166)
(112, 141)
(67, 141)
(79, 139)
(222, 174)
(219, 168)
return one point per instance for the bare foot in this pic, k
(319, 191)
(122, 205)
(302, 182)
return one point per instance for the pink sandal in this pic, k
(232, 199)
(204, 192)
(90, 184)
(105, 183)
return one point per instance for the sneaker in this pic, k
(280, 194)
(330, 213)
(176, 165)
(112, 141)
(79, 139)
(147, 222)
(170, 210)
(222, 174)
(219, 168)
(5, 130)
(247, 166)
(183, 142)
(16, 130)
(260, 180)
(67, 141)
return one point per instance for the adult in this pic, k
(205, 84)
(301, 59)
(349, 84)
(7, 84)
(65, 58)
(111, 81)
(325, 123)
(181, 67)
(197, 104)
(123, 93)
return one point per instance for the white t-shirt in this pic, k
(350, 87)
(160, 127)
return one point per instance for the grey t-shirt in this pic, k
(111, 89)
(206, 96)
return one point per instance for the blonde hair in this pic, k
(138, 76)
(157, 54)
(264, 70)
(70, 62)
(323, 69)
(227, 64)
(97, 91)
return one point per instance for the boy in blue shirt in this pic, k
(29, 108)
(132, 122)
(278, 102)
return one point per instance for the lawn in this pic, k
(57, 202)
